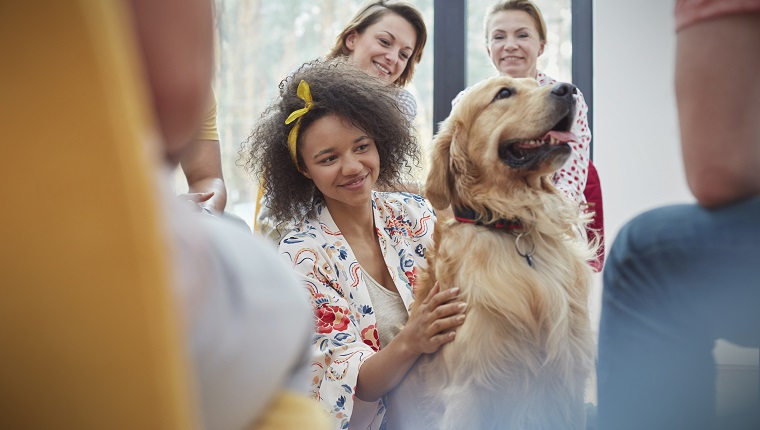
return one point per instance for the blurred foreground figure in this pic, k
(248, 320)
(119, 308)
(678, 278)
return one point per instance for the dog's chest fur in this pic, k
(522, 357)
(541, 306)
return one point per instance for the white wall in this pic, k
(636, 147)
(635, 132)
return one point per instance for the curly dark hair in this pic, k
(337, 88)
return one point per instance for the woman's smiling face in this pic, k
(384, 48)
(341, 159)
(514, 43)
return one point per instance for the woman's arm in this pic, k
(202, 165)
(175, 38)
(431, 326)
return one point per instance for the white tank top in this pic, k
(390, 312)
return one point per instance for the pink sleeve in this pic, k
(689, 12)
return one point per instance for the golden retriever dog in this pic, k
(523, 356)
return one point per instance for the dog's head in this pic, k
(502, 140)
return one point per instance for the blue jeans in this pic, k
(677, 278)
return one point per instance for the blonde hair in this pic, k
(526, 6)
(370, 14)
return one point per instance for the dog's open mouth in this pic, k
(529, 153)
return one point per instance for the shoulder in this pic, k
(400, 200)
(407, 103)
(545, 80)
(305, 235)
(404, 212)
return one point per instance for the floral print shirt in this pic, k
(346, 329)
(571, 177)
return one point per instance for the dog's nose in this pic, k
(564, 90)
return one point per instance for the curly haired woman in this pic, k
(331, 137)
(385, 39)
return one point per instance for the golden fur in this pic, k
(524, 354)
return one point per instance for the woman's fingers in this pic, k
(447, 324)
(433, 291)
(440, 297)
(443, 338)
(197, 197)
(448, 309)
(437, 319)
(447, 315)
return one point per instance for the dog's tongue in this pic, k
(562, 136)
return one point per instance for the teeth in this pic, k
(354, 182)
(531, 143)
(535, 143)
(383, 68)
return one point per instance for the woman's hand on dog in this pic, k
(430, 325)
(435, 321)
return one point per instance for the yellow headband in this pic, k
(303, 93)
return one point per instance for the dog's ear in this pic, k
(439, 185)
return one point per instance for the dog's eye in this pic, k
(503, 94)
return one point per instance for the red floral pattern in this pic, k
(331, 318)
(412, 276)
(371, 338)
